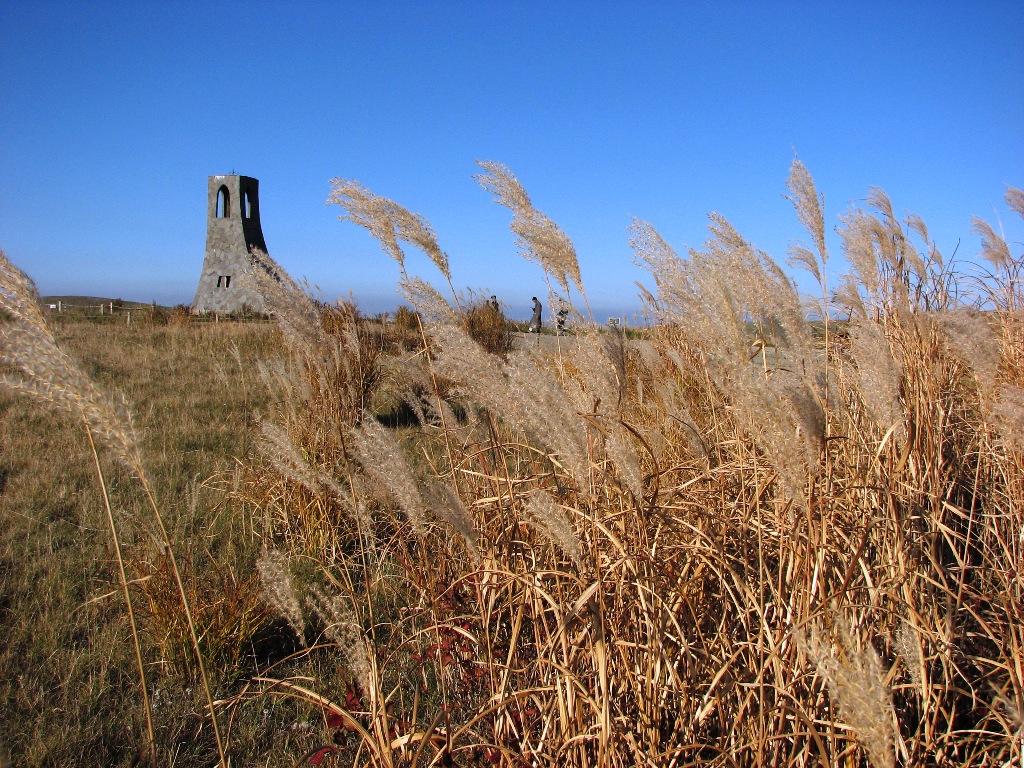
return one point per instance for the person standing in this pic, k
(535, 320)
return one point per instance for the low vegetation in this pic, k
(737, 540)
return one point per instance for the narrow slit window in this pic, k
(220, 279)
(223, 203)
(227, 281)
(247, 205)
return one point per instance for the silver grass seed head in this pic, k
(915, 261)
(733, 283)
(415, 229)
(551, 521)
(970, 338)
(275, 575)
(878, 374)
(520, 393)
(650, 249)
(857, 231)
(416, 402)
(805, 411)
(476, 375)
(369, 211)
(543, 241)
(540, 239)
(848, 295)
(600, 359)
(287, 458)
(800, 256)
(37, 367)
(891, 239)
(379, 453)
(447, 507)
(502, 183)
(907, 643)
(1015, 199)
(343, 628)
(810, 209)
(1009, 413)
(601, 366)
(290, 304)
(673, 276)
(993, 246)
(879, 200)
(277, 446)
(622, 452)
(856, 681)
(388, 222)
(541, 407)
(917, 225)
(426, 300)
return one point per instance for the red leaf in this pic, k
(334, 720)
(317, 755)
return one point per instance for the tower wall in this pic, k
(232, 231)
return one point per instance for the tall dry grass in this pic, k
(732, 543)
(714, 547)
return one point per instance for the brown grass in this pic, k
(709, 546)
(679, 557)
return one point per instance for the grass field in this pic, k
(742, 540)
(68, 670)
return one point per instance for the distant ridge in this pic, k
(94, 301)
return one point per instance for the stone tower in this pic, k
(232, 230)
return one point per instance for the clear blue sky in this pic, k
(113, 115)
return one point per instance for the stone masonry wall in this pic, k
(225, 284)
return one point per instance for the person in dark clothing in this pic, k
(535, 320)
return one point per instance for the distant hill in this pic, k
(94, 301)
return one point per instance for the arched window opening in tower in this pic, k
(247, 204)
(223, 203)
